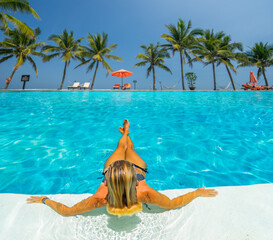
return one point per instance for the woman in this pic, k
(124, 188)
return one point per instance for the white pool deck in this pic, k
(237, 213)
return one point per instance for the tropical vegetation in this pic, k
(191, 78)
(21, 46)
(97, 51)
(16, 6)
(181, 39)
(153, 56)
(208, 48)
(227, 53)
(66, 48)
(261, 56)
(193, 45)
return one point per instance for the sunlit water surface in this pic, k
(57, 142)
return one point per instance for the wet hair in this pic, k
(122, 194)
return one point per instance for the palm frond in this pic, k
(36, 53)
(113, 57)
(259, 73)
(143, 57)
(33, 65)
(4, 27)
(149, 69)
(5, 51)
(50, 48)
(113, 46)
(37, 45)
(22, 26)
(107, 67)
(140, 64)
(245, 65)
(20, 61)
(90, 67)
(83, 62)
(47, 58)
(67, 57)
(164, 68)
(18, 6)
(3, 59)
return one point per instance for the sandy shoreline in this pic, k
(243, 212)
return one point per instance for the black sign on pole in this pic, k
(25, 78)
(135, 81)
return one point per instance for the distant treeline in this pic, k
(193, 45)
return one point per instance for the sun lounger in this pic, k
(86, 85)
(116, 86)
(252, 87)
(76, 85)
(126, 86)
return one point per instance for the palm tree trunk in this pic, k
(65, 65)
(231, 79)
(182, 71)
(265, 79)
(154, 78)
(214, 77)
(97, 65)
(7, 84)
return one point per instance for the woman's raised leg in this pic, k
(119, 153)
(132, 156)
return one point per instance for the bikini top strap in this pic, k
(143, 169)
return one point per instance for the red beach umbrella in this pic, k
(122, 73)
(253, 79)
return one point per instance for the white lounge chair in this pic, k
(86, 85)
(76, 85)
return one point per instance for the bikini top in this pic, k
(143, 169)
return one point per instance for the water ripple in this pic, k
(58, 142)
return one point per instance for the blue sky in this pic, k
(133, 23)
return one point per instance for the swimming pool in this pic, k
(57, 142)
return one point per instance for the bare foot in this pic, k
(126, 126)
(121, 130)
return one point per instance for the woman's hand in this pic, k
(203, 192)
(36, 199)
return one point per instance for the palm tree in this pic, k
(226, 54)
(16, 6)
(20, 45)
(261, 56)
(96, 52)
(208, 47)
(153, 56)
(181, 39)
(66, 48)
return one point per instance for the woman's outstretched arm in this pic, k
(86, 205)
(156, 198)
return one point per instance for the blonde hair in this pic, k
(122, 194)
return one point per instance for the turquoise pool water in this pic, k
(57, 142)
